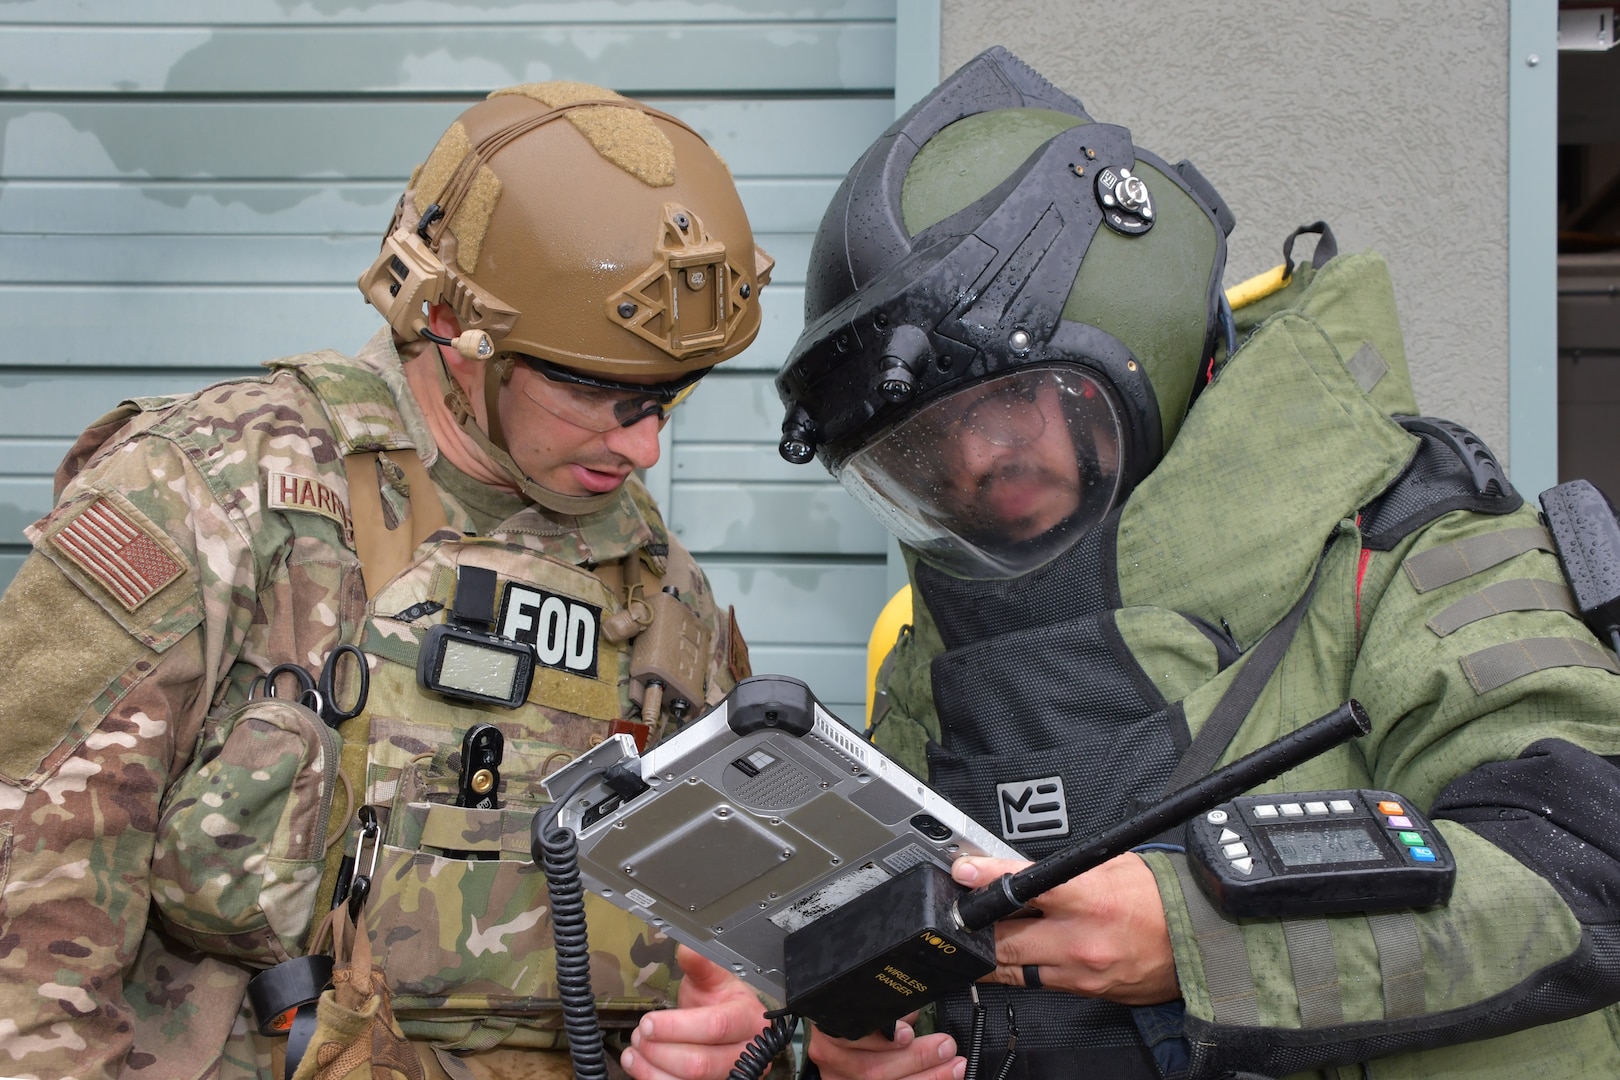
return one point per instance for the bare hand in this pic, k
(701, 1039)
(908, 1057)
(1102, 935)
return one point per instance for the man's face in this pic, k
(999, 477)
(564, 456)
(554, 431)
(1011, 467)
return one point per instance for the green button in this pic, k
(1412, 839)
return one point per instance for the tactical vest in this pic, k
(1054, 705)
(457, 912)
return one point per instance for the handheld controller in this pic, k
(1314, 852)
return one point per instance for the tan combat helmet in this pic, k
(565, 222)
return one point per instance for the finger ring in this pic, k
(1032, 976)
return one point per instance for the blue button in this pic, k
(1423, 854)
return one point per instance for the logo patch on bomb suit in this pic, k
(1031, 808)
(562, 631)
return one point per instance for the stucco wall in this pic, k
(1388, 120)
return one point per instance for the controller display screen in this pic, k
(480, 670)
(1320, 847)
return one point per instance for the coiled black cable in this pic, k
(556, 849)
(975, 1054)
(759, 1053)
(1012, 1045)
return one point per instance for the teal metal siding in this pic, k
(1532, 238)
(189, 187)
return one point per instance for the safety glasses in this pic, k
(601, 404)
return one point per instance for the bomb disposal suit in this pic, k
(169, 824)
(1139, 551)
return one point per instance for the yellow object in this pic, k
(1258, 287)
(895, 614)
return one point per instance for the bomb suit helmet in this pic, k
(1009, 309)
(567, 225)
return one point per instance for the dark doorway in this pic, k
(1588, 187)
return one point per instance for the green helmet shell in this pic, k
(902, 303)
(1170, 267)
(956, 167)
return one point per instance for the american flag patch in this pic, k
(103, 542)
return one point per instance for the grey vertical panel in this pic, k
(916, 71)
(1532, 235)
(916, 63)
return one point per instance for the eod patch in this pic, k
(1033, 807)
(561, 630)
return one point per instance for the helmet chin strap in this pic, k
(493, 444)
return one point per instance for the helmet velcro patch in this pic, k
(470, 222)
(470, 219)
(631, 141)
(625, 136)
(431, 177)
(560, 92)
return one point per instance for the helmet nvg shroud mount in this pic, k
(1009, 310)
(565, 223)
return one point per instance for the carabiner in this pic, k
(360, 888)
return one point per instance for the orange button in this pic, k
(1388, 807)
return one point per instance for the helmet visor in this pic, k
(999, 477)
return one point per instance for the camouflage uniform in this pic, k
(196, 542)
